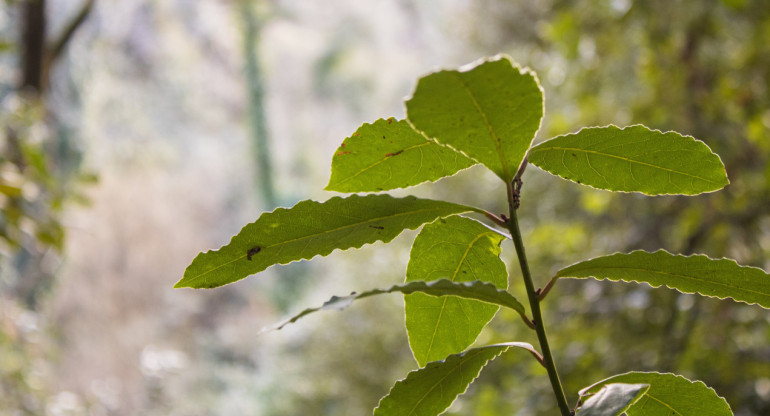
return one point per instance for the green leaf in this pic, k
(632, 159)
(461, 250)
(490, 112)
(390, 154)
(721, 278)
(310, 229)
(432, 389)
(669, 394)
(612, 399)
(481, 291)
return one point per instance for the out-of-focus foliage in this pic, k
(39, 173)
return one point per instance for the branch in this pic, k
(57, 47)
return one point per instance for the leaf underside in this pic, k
(390, 154)
(490, 112)
(432, 389)
(477, 290)
(311, 229)
(461, 250)
(612, 399)
(722, 278)
(669, 394)
(632, 159)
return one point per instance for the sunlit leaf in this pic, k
(669, 394)
(700, 274)
(491, 112)
(389, 154)
(632, 159)
(311, 229)
(612, 399)
(479, 291)
(432, 389)
(461, 250)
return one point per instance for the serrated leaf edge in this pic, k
(505, 346)
(723, 259)
(584, 390)
(514, 305)
(700, 142)
(322, 253)
(523, 70)
(421, 133)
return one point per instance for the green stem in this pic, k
(534, 304)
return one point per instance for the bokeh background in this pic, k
(136, 133)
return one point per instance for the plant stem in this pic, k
(534, 304)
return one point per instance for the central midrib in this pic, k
(490, 130)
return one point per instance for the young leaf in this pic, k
(669, 394)
(632, 159)
(461, 250)
(477, 290)
(612, 399)
(689, 274)
(432, 389)
(390, 154)
(310, 229)
(490, 112)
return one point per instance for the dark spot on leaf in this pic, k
(383, 137)
(391, 120)
(343, 143)
(356, 134)
(579, 182)
(252, 251)
(574, 155)
(379, 227)
(342, 152)
(395, 153)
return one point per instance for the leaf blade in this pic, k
(462, 250)
(632, 159)
(490, 112)
(612, 399)
(720, 278)
(390, 154)
(669, 394)
(309, 229)
(477, 290)
(430, 390)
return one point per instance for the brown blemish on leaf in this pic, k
(356, 134)
(391, 120)
(379, 227)
(252, 251)
(342, 152)
(394, 154)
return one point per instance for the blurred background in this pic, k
(137, 133)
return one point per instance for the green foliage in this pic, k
(612, 399)
(490, 113)
(431, 389)
(668, 394)
(462, 250)
(475, 290)
(722, 278)
(310, 229)
(632, 159)
(389, 154)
